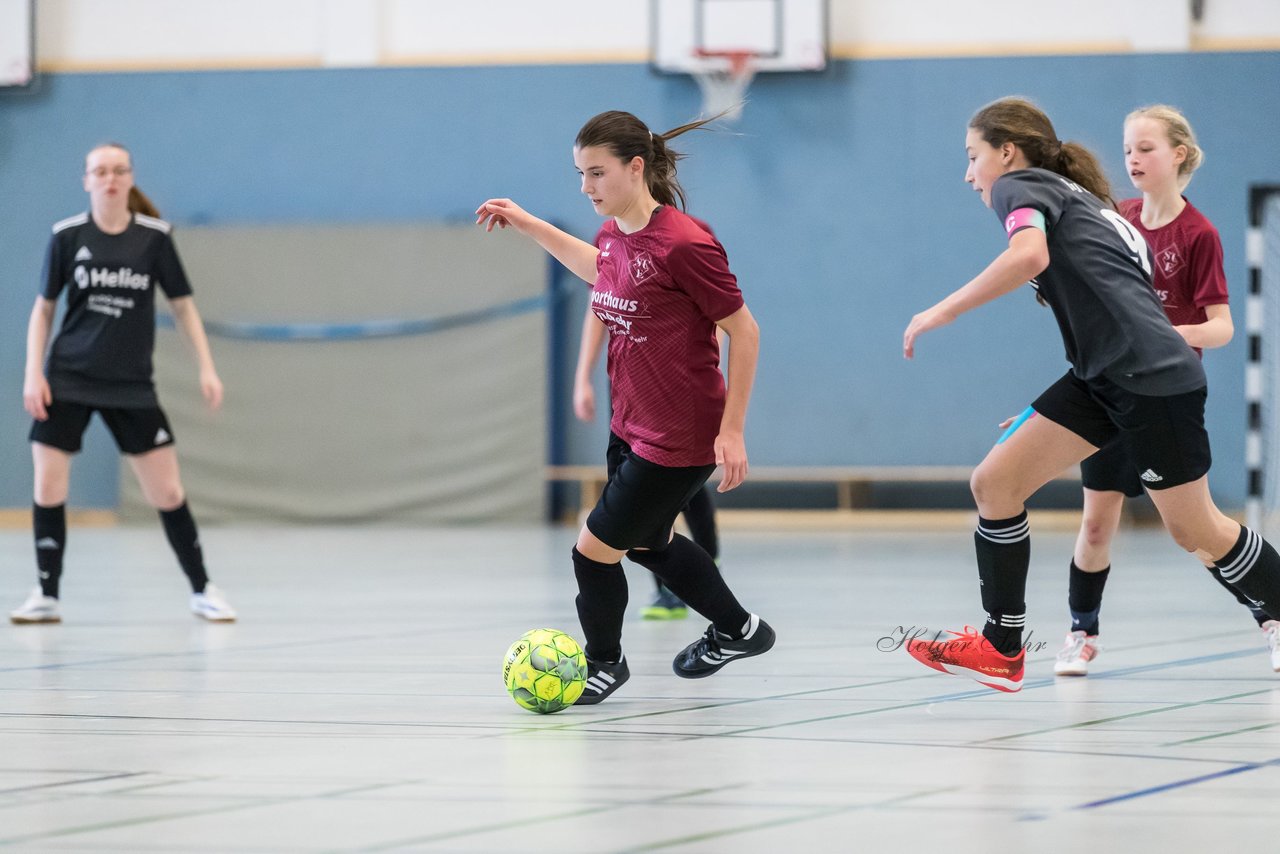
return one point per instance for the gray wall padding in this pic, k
(443, 427)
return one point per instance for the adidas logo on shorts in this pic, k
(162, 436)
(1150, 476)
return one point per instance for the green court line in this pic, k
(527, 822)
(781, 822)
(1143, 713)
(1212, 736)
(573, 724)
(76, 782)
(169, 816)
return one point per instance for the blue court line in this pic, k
(1177, 784)
(1181, 662)
(395, 328)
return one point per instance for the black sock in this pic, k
(700, 516)
(690, 573)
(1253, 567)
(49, 524)
(180, 528)
(1084, 598)
(602, 602)
(1259, 615)
(1004, 553)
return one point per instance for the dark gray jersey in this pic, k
(1098, 284)
(102, 354)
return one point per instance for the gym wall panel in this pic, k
(839, 197)
(373, 374)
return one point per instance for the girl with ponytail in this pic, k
(109, 261)
(1133, 379)
(661, 286)
(1160, 156)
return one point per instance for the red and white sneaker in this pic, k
(970, 654)
(1076, 654)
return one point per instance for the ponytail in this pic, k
(140, 204)
(1022, 123)
(627, 137)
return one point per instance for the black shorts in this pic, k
(1163, 437)
(641, 500)
(136, 431)
(1110, 470)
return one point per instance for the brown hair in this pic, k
(627, 137)
(1022, 123)
(1178, 131)
(138, 201)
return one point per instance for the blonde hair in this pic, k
(1178, 131)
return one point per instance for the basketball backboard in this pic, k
(694, 36)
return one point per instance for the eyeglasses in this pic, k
(118, 171)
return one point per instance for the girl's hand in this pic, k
(36, 397)
(584, 401)
(1004, 425)
(211, 388)
(503, 213)
(731, 453)
(923, 322)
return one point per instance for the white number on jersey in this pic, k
(1071, 185)
(1131, 237)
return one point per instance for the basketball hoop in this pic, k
(723, 76)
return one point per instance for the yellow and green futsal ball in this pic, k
(545, 671)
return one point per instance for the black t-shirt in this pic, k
(102, 354)
(1098, 284)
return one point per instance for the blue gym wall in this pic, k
(840, 199)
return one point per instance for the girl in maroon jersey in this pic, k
(661, 285)
(699, 514)
(1161, 155)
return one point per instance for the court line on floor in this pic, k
(982, 692)
(1176, 784)
(1214, 735)
(170, 816)
(77, 782)
(123, 659)
(542, 819)
(813, 815)
(1112, 718)
(1106, 754)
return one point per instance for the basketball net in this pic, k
(724, 80)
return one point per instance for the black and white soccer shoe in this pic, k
(714, 650)
(603, 678)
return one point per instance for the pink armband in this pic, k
(1023, 218)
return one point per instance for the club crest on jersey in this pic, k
(641, 266)
(1170, 260)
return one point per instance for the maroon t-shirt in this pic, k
(1186, 269)
(659, 292)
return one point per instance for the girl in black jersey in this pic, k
(1161, 156)
(1132, 376)
(110, 261)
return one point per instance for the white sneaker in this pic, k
(212, 605)
(38, 608)
(1271, 631)
(1074, 659)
